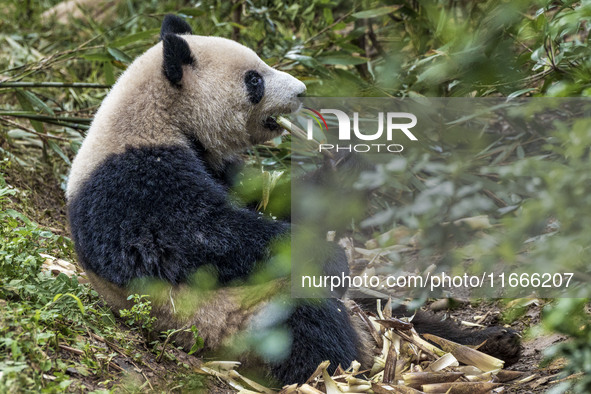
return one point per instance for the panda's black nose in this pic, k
(302, 94)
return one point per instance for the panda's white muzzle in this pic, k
(282, 96)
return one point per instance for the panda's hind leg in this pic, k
(320, 330)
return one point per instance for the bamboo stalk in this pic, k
(29, 130)
(59, 121)
(302, 136)
(53, 85)
(45, 118)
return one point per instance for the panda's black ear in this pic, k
(176, 53)
(175, 25)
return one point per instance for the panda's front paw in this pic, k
(502, 343)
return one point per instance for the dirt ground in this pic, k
(538, 378)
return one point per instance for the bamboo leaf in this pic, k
(191, 11)
(56, 148)
(27, 106)
(54, 84)
(342, 60)
(376, 12)
(97, 57)
(142, 35)
(16, 215)
(119, 55)
(307, 61)
(36, 102)
(19, 134)
(520, 92)
(78, 301)
(109, 75)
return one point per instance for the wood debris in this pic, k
(58, 266)
(406, 364)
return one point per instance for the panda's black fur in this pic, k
(149, 197)
(255, 84)
(170, 216)
(174, 25)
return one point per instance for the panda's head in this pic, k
(222, 90)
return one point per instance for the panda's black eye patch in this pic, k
(255, 86)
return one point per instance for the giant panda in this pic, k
(149, 198)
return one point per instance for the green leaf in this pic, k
(27, 106)
(56, 148)
(36, 102)
(16, 215)
(191, 11)
(142, 35)
(342, 60)
(199, 342)
(18, 133)
(307, 61)
(75, 146)
(64, 384)
(239, 26)
(376, 12)
(109, 75)
(45, 365)
(5, 191)
(328, 16)
(78, 301)
(97, 57)
(339, 26)
(119, 55)
(520, 92)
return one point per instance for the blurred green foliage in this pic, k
(577, 350)
(535, 186)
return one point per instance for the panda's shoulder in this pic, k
(154, 170)
(148, 161)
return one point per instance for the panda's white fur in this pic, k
(143, 108)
